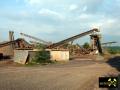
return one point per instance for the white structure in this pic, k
(59, 55)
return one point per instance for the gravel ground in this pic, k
(74, 75)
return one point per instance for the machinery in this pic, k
(7, 48)
(71, 39)
(108, 43)
(95, 43)
(94, 37)
(37, 39)
(17, 44)
(64, 43)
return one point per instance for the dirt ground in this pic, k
(74, 75)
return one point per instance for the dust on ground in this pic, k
(74, 75)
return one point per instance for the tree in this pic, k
(86, 45)
(40, 46)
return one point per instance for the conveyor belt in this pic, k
(72, 38)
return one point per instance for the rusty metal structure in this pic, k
(11, 35)
(95, 42)
(7, 48)
(35, 38)
(106, 43)
(63, 44)
(76, 49)
(71, 39)
(21, 44)
(18, 44)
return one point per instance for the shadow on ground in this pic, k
(115, 63)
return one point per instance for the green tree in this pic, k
(86, 45)
(41, 46)
(42, 56)
(112, 51)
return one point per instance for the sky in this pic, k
(55, 20)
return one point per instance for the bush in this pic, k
(42, 57)
(112, 51)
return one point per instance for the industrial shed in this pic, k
(7, 48)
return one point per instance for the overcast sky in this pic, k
(55, 20)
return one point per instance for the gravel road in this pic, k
(74, 75)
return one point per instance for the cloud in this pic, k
(24, 14)
(108, 26)
(64, 17)
(32, 2)
(47, 12)
(85, 16)
(16, 16)
(73, 7)
(66, 4)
